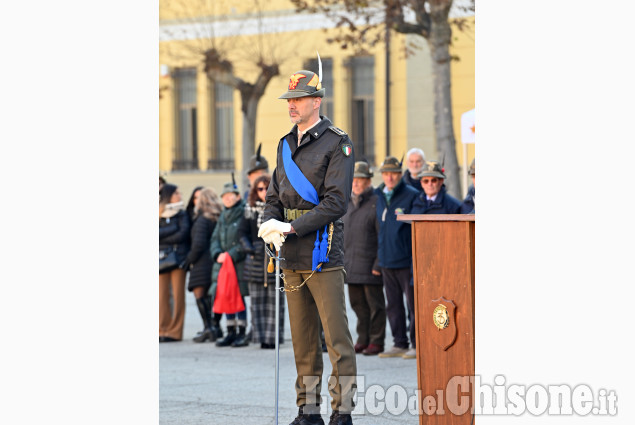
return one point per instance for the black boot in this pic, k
(204, 307)
(307, 419)
(340, 419)
(217, 332)
(229, 338)
(241, 338)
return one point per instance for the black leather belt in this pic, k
(293, 214)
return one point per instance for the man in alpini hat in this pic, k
(363, 274)
(258, 166)
(434, 199)
(309, 193)
(395, 197)
(467, 206)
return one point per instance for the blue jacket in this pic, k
(443, 204)
(416, 183)
(394, 248)
(467, 207)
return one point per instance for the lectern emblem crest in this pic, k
(440, 317)
(443, 319)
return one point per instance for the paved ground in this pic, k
(200, 383)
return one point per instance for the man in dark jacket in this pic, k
(434, 199)
(395, 255)
(467, 206)
(308, 194)
(415, 160)
(363, 274)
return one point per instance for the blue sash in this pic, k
(299, 182)
(305, 189)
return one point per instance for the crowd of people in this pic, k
(331, 230)
(204, 234)
(377, 253)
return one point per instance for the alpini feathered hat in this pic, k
(432, 169)
(230, 187)
(258, 162)
(305, 83)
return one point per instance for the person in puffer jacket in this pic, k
(225, 243)
(198, 263)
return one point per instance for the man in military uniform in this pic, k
(309, 193)
(258, 166)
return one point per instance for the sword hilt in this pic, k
(270, 266)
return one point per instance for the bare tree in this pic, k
(365, 23)
(235, 60)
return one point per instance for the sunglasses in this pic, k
(260, 189)
(433, 180)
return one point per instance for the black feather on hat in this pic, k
(258, 162)
(230, 187)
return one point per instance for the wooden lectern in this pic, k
(443, 266)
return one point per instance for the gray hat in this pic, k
(302, 84)
(390, 164)
(472, 169)
(432, 169)
(230, 187)
(362, 170)
(258, 162)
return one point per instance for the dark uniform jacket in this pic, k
(173, 231)
(322, 158)
(467, 207)
(416, 183)
(199, 260)
(225, 239)
(443, 204)
(395, 241)
(360, 240)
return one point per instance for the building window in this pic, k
(326, 109)
(185, 152)
(363, 107)
(222, 155)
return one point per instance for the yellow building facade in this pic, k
(200, 122)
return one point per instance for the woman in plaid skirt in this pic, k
(262, 285)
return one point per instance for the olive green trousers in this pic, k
(321, 298)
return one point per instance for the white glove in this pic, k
(271, 226)
(275, 238)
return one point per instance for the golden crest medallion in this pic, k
(440, 317)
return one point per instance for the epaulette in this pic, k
(337, 131)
